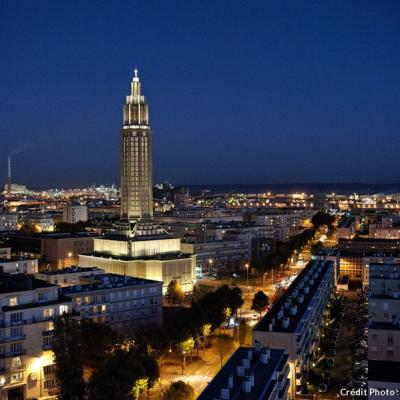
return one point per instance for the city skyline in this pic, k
(304, 79)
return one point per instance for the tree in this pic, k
(97, 341)
(124, 375)
(79, 226)
(175, 294)
(185, 347)
(205, 332)
(178, 391)
(67, 348)
(236, 299)
(321, 218)
(260, 302)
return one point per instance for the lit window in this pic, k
(13, 301)
(48, 312)
(63, 309)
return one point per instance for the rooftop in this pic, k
(264, 379)
(293, 304)
(161, 256)
(16, 259)
(71, 270)
(384, 371)
(384, 271)
(107, 281)
(137, 238)
(327, 251)
(10, 283)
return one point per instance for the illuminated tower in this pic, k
(136, 157)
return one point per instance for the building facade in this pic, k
(8, 222)
(123, 302)
(28, 308)
(136, 157)
(255, 373)
(19, 265)
(73, 213)
(294, 322)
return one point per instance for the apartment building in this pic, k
(39, 222)
(384, 330)
(63, 249)
(73, 213)
(346, 228)
(219, 256)
(69, 276)
(124, 302)
(255, 373)
(8, 221)
(5, 251)
(384, 312)
(28, 307)
(376, 258)
(294, 321)
(16, 265)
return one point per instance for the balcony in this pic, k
(12, 338)
(13, 353)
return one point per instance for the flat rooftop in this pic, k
(384, 371)
(10, 283)
(106, 281)
(263, 374)
(16, 259)
(327, 251)
(138, 238)
(70, 270)
(161, 257)
(384, 271)
(305, 278)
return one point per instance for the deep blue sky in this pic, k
(239, 91)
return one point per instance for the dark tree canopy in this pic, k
(67, 348)
(179, 391)
(321, 218)
(260, 302)
(124, 374)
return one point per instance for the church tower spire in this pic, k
(136, 156)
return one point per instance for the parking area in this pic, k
(333, 367)
(341, 374)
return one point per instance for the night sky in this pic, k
(239, 91)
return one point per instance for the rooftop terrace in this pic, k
(259, 369)
(107, 281)
(287, 312)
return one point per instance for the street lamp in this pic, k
(210, 261)
(69, 257)
(247, 274)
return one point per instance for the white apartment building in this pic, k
(69, 276)
(124, 302)
(294, 322)
(73, 213)
(8, 222)
(28, 307)
(384, 312)
(19, 265)
(40, 222)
